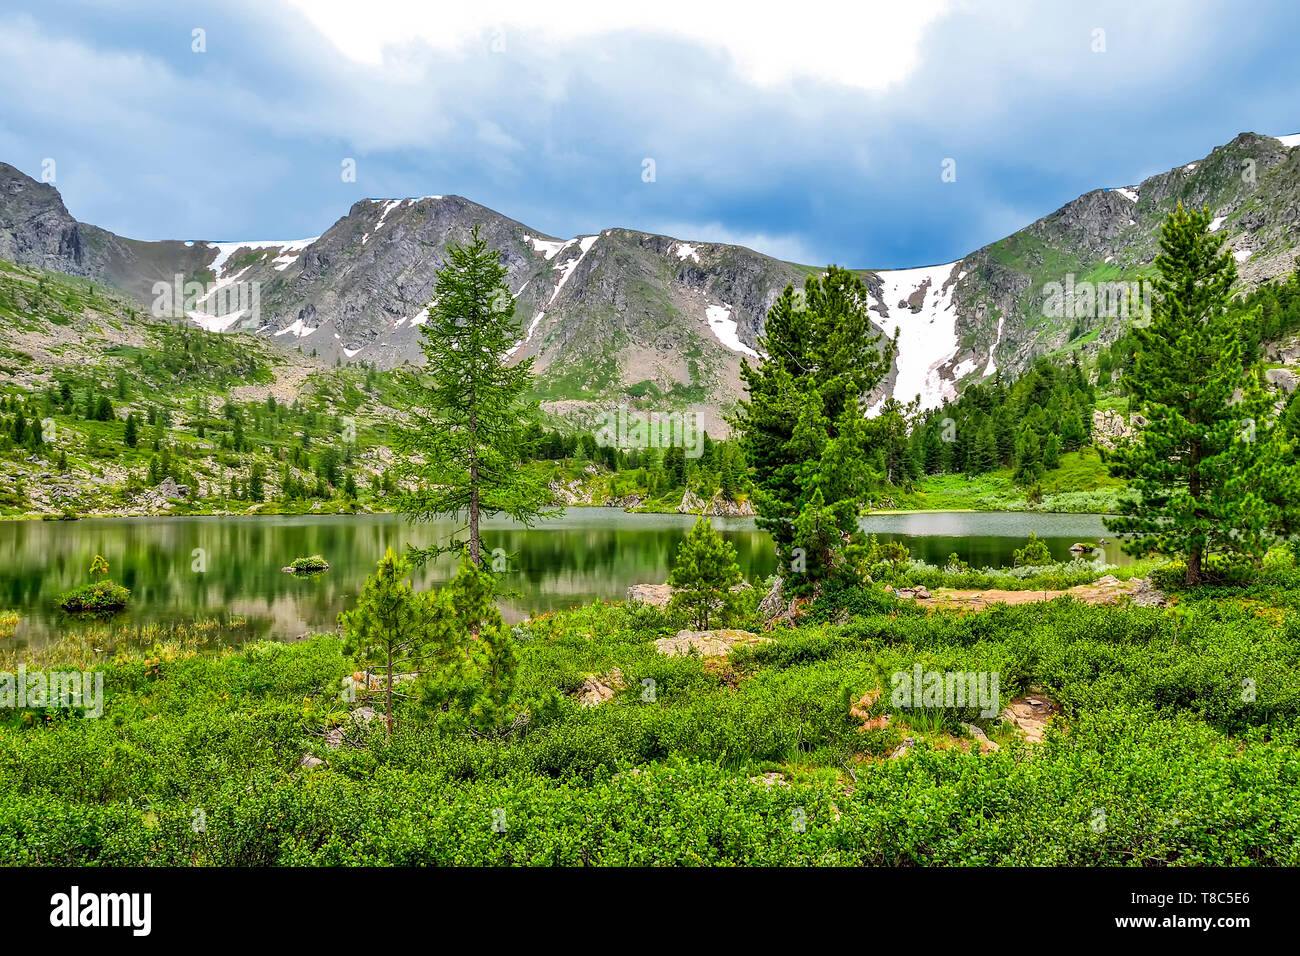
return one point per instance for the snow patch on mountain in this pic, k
(684, 251)
(992, 366)
(215, 323)
(927, 338)
(1291, 141)
(286, 246)
(528, 336)
(547, 247)
(1217, 223)
(298, 329)
(725, 329)
(1129, 193)
(566, 269)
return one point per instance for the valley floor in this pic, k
(1123, 735)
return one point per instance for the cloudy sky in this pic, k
(819, 136)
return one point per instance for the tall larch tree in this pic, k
(463, 442)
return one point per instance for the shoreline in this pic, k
(55, 518)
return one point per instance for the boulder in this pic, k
(1110, 427)
(1284, 378)
(981, 738)
(598, 688)
(358, 718)
(657, 595)
(1030, 714)
(707, 643)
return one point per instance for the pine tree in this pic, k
(1201, 465)
(467, 412)
(130, 437)
(1052, 452)
(1033, 554)
(391, 626)
(1029, 456)
(474, 665)
(257, 482)
(703, 577)
(803, 416)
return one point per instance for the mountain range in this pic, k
(661, 322)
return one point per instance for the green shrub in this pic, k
(312, 565)
(101, 597)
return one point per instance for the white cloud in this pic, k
(869, 45)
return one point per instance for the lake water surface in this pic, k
(589, 554)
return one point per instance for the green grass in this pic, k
(1155, 731)
(1081, 485)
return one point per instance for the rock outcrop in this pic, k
(707, 643)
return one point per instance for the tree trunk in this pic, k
(388, 708)
(473, 484)
(1195, 552)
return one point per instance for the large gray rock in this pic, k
(657, 595)
(1284, 378)
(707, 643)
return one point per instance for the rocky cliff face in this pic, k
(624, 316)
(1251, 185)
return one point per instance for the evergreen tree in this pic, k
(802, 420)
(1029, 456)
(1033, 554)
(467, 411)
(1200, 466)
(391, 626)
(703, 577)
(1052, 452)
(130, 437)
(257, 482)
(474, 665)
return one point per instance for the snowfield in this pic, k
(927, 340)
(725, 329)
(289, 249)
(565, 269)
(992, 366)
(298, 329)
(547, 247)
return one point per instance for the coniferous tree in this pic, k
(1202, 464)
(803, 421)
(467, 411)
(1029, 456)
(703, 577)
(391, 626)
